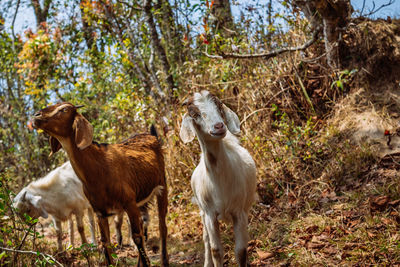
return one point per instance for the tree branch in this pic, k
(373, 10)
(136, 8)
(119, 34)
(13, 21)
(46, 6)
(45, 256)
(41, 14)
(269, 54)
(362, 9)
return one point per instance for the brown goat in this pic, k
(115, 177)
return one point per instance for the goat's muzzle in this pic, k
(218, 130)
(35, 121)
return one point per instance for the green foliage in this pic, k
(18, 231)
(94, 56)
(296, 140)
(344, 77)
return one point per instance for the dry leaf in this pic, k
(371, 235)
(330, 250)
(379, 203)
(394, 202)
(312, 229)
(314, 245)
(263, 255)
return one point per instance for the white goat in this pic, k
(59, 194)
(224, 182)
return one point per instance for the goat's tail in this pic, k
(153, 132)
(156, 191)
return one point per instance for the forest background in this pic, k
(315, 84)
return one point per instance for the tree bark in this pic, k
(333, 15)
(158, 49)
(170, 31)
(41, 13)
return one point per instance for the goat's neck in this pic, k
(213, 147)
(212, 151)
(76, 156)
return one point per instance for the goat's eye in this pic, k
(193, 114)
(64, 109)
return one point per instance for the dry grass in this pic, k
(327, 187)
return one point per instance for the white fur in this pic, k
(59, 194)
(225, 189)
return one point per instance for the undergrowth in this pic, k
(324, 197)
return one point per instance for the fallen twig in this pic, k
(44, 255)
(261, 109)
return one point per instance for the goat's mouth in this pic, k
(219, 133)
(35, 122)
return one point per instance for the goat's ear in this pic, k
(232, 120)
(187, 132)
(36, 202)
(83, 131)
(54, 145)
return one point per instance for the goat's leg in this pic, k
(134, 218)
(105, 238)
(240, 223)
(71, 231)
(146, 220)
(81, 229)
(130, 234)
(119, 218)
(57, 225)
(92, 226)
(217, 252)
(207, 248)
(162, 204)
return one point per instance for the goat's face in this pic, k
(55, 120)
(207, 117)
(26, 202)
(62, 120)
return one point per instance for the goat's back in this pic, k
(61, 192)
(123, 171)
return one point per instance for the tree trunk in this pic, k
(170, 32)
(333, 16)
(222, 16)
(87, 30)
(158, 49)
(115, 26)
(41, 13)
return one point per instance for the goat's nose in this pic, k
(37, 114)
(218, 126)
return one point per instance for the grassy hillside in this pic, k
(328, 180)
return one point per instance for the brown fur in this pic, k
(115, 177)
(193, 110)
(218, 103)
(242, 255)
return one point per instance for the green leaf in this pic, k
(339, 84)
